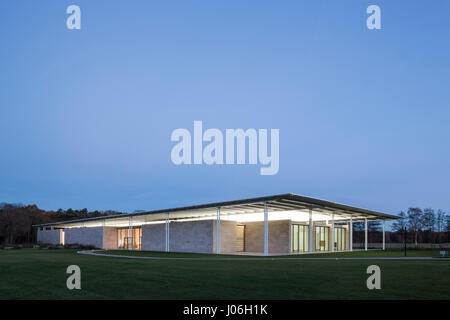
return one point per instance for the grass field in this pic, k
(354, 254)
(41, 274)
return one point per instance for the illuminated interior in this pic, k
(127, 236)
(298, 211)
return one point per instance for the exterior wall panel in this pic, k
(278, 236)
(109, 238)
(191, 236)
(49, 236)
(85, 236)
(227, 236)
(154, 237)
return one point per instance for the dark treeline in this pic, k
(16, 220)
(422, 226)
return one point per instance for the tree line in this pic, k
(427, 225)
(16, 220)
(421, 226)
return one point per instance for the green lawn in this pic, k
(355, 254)
(41, 274)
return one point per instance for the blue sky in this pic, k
(86, 115)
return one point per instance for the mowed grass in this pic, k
(353, 254)
(41, 274)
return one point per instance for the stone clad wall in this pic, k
(228, 236)
(278, 236)
(86, 236)
(185, 236)
(109, 238)
(154, 237)
(191, 236)
(49, 236)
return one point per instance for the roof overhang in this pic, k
(275, 204)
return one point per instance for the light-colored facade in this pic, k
(280, 224)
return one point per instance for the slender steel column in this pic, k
(384, 237)
(266, 229)
(218, 231)
(365, 234)
(332, 232)
(351, 234)
(310, 231)
(130, 234)
(167, 232)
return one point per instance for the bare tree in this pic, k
(429, 225)
(447, 219)
(429, 219)
(401, 223)
(415, 221)
(440, 223)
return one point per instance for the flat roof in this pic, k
(281, 202)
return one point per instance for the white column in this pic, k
(218, 231)
(266, 230)
(332, 232)
(167, 232)
(310, 231)
(351, 234)
(365, 234)
(384, 237)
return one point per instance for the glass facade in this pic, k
(124, 239)
(299, 238)
(339, 239)
(322, 238)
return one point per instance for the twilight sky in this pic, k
(86, 115)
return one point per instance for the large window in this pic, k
(299, 238)
(124, 239)
(322, 238)
(339, 239)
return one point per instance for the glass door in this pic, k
(299, 238)
(322, 238)
(137, 238)
(124, 239)
(339, 239)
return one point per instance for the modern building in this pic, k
(278, 224)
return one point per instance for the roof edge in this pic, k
(287, 196)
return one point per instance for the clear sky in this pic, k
(86, 115)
